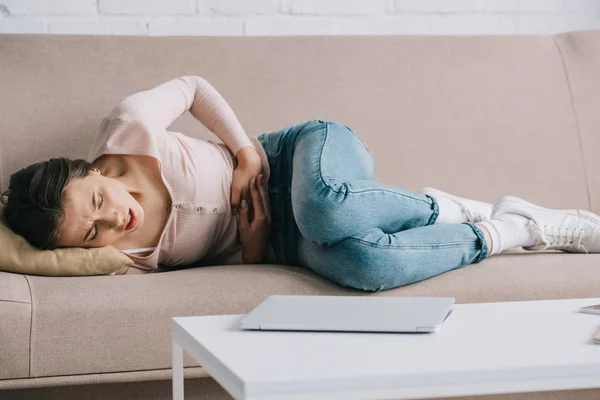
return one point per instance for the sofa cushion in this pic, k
(122, 323)
(15, 328)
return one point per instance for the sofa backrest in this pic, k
(480, 116)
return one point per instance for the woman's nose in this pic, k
(115, 219)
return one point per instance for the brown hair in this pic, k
(34, 203)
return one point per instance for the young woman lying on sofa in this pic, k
(304, 195)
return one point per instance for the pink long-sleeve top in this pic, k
(197, 173)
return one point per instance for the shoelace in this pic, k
(557, 238)
(472, 216)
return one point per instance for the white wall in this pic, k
(297, 17)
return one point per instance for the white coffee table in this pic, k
(482, 348)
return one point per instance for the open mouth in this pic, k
(132, 220)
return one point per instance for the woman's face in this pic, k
(99, 211)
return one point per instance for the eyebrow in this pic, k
(87, 234)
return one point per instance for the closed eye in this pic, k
(99, 206)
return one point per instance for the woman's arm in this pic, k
(157, 108)
(163, 104)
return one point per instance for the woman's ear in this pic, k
(96, 171)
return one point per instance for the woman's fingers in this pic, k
(236, 195)
(243, 193)
(260, 200)
(244, 223)
(239, 191)
(257, 203)
(265, 197)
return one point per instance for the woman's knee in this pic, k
(356, 264)
(371, 278)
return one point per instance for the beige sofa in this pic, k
(478, 116)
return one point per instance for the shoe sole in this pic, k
(512, 204)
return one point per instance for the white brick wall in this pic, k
(297, 17)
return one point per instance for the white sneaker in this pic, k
(573, 231)
(473, 211)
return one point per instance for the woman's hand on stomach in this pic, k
(255, 233)
(249, 166)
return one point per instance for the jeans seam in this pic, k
(450, 245)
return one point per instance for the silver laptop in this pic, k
(349, 313)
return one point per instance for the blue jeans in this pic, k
(329, 214)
